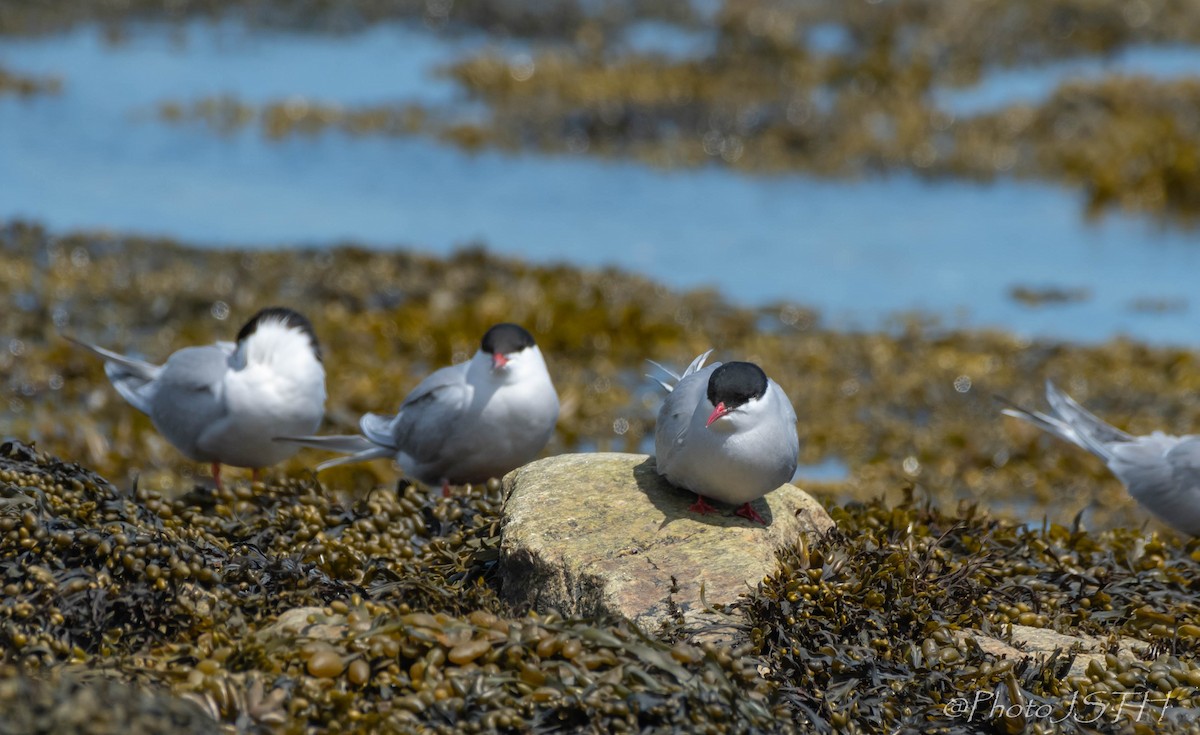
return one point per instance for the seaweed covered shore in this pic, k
(134, 578)
(170, 606)
(910, 407)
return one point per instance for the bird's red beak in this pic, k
(499, 361)
(717, 413)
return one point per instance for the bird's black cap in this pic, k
(286, 316)
(735, 383)
(505, 339)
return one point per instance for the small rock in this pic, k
(305, 622)
(603, 533)
(1032, 642)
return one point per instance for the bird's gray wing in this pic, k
(410, 432)
(1162, 473)
(675, 416)
(377, 428)
(133, 379)
(429, 413)
(190, 395)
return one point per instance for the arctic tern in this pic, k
(464, 423)
(726, 432)
(222, 403)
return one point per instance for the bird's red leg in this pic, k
(216, 470)
(701, 506)
(746, 511)
(445, 488)
(255, 474)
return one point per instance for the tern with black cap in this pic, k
(726, 432)
(222, 403)
(464, 423)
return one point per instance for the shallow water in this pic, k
(96, 156)
(1035, 84)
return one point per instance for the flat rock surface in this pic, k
(1038, 643)
(603, 532)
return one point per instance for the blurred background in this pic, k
(898, 207)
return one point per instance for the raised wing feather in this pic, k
(133, 379)
(697, 364)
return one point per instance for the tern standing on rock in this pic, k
(726, 432)
(1160, 471)
(464, 423)
(222, 403)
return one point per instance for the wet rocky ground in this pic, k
(135, 570)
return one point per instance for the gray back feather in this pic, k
(1162, 473)
(189, 396)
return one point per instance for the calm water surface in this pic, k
(96, 156)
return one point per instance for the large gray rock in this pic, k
(591, 533)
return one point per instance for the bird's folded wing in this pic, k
(423, 424)
(189, 397)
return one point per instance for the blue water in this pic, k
(96, 156)
(1035, 84)
(668, 40)
(829, 469)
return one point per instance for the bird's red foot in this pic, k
(216, 473)
(445, 488)
(746, 511)
(701, 506)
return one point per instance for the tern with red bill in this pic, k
(222, 403)
(726, 432)
(464, 423)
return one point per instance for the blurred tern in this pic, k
(464, 423)
(1160, 471)
(222, 403)
(726, 432)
